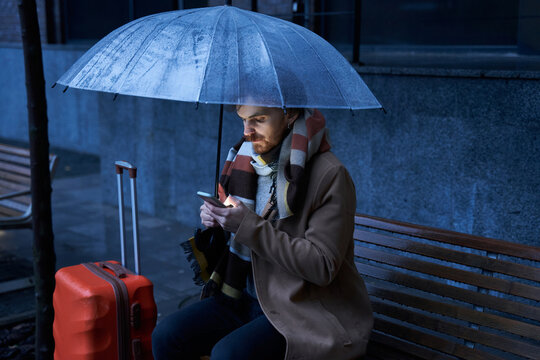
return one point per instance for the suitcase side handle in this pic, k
(120, 166)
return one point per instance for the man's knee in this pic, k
(166, 340)
(160, 341)
(224, 350)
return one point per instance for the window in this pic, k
(501, 34)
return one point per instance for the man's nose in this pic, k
(248, 129)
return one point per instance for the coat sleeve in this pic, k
(318, 254)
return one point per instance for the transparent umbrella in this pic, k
(221, 55)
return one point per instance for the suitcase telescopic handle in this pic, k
(120, 167)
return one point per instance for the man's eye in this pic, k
(257, 120)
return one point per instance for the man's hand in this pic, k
(228, 218)
(206, 216)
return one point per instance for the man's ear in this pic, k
(291, 116)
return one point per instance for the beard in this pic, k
(260, 145)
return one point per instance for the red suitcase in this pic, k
(102, 310)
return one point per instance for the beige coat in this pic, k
(304, 271)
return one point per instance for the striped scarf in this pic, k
(239, 179)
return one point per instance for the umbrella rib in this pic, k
(189, 27)
(209, 51)
(101, 55)
(271, 59)
(296, 57)
(155, 33)
(130, 35)
(237, 58)
(322, 62)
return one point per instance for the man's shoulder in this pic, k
(326, 159)
(327, 171)
(324, 162)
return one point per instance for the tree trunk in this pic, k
(44, 256)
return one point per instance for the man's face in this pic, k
(265, 127)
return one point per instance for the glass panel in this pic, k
(492, 34)
(91, 20)
(440, 22)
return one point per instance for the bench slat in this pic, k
(466, 277)
(16, 159)
(432, 341)
(411, 349)
(15, 173)
(463, 258)
(10, 204)
(376, 351)
(8, 212)
(8, 187)
(14, 150)
(16, 169)
(20, 200)
(430, 286)
(19, 179)
(495, 341)
(451, 237)
(459, 312)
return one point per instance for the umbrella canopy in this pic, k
(221, 55)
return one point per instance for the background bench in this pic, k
(15, 198)
(439, 294)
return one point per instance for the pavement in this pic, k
(86, 229)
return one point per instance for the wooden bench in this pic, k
(15, 199)
(440, 294)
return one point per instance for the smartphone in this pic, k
(211, 199)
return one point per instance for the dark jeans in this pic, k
(220, 327)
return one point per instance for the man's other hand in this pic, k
(228, 218)
(206, 216)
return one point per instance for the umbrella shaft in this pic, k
(218, 160)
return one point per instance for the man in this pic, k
(289, 288)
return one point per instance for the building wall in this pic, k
(458, 150)
(72, 115)
(460, 153)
